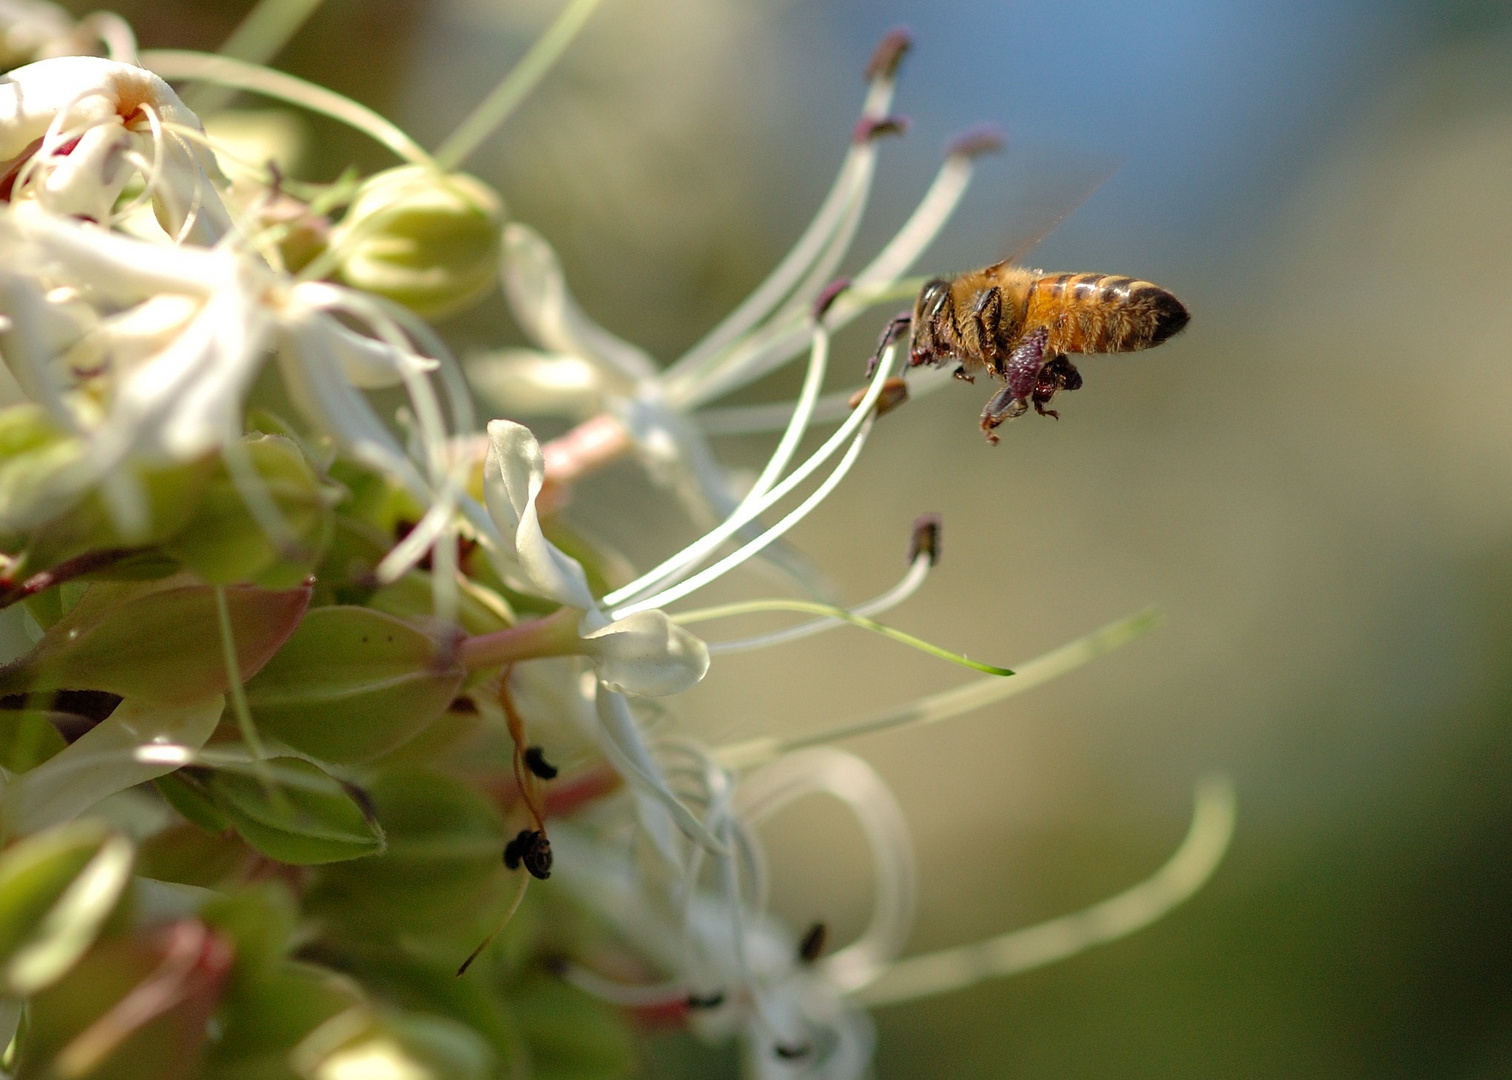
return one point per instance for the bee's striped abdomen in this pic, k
(1102, 313)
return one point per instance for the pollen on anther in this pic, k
(925, 539)
(983, 139)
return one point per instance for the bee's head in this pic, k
(933, 306)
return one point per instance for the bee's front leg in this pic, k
(893, 332)
(987, 316)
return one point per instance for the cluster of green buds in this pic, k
(297, 699)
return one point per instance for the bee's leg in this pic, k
(987, 317)
(893, 332)
(1058, 374)
(961, 373)
(1005, 405)
(1024, 363)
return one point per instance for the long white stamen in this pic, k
(923, 225)
(761, 541)
(1049, 942)
(771, 346)
(850, 189)
(951, 703)
(181, 64)
(696, 551)
(918, 570)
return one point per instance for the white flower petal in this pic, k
(538, 296)
(523, 381)
(512, 477)
(647, 654)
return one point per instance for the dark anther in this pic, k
(535, 761)
(894, 393)
(830, 294)
(812, 945)
(706, 1001)
(868, 128)
(986, 139)
(793, 1053)
(888, 54)
(464, 705)
(532, 850)
(926, 538)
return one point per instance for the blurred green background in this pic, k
(1314, 482)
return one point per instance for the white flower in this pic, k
(75, 130)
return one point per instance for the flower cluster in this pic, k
(290, 673)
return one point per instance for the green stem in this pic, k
(809, 607)
(514, 87)
(238, 694)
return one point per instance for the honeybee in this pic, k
(1018, 325)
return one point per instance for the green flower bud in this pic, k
(351, 684)
(158, 643)
(426, 239)
(265, 1020)
(302, 816)
(56, 888)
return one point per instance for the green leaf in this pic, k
(397, 1045)
(188, 855)
(444, 842)
(158, 642)
(186, 793)
(259, 918)
(304, 817)
(571, 1036)
(56, 888)
(224, 543)
(351, 684)
(265, 1019)
(27, 738)
(137, 742)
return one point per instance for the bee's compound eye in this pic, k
(932, 299)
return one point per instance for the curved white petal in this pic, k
(538, 296)
(647, 654)
(512, 477)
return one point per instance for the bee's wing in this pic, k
(1056, 209)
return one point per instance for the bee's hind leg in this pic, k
(1005, 405)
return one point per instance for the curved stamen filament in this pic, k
(1184, 873)
(918, 570)
(850, 189)
(515, 87)
(951, 703)
(222, 70)
(859, 420)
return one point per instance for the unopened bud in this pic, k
(426, 239)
